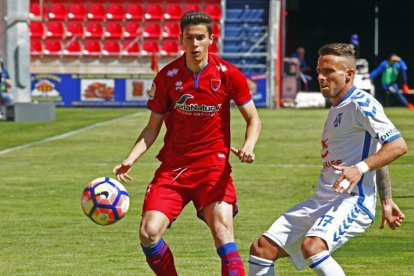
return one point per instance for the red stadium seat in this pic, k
(152, 30)
(57, 12)
(36, 47)
(74, 29)
(153, 12)
(171, 30)
(94, 29)
(55, 30)
(150, 47)
(214, 48)
(52, 47)
(115, 12)
(170, 48)
(72, 48)
(96, 12)
(173, 12)
(216, 30)
(131, 47)
(36, 29)
(214, 10)
(34, 10)
(77, 11)
(132, 29)
(111, 47)
(113, 30)
(92, 47)
(192, 7)
(134, 12)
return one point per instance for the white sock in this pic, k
(324, 265)
(260, 267)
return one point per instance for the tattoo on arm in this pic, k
(384, 183)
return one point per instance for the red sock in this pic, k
(160, 259)
(231, 262)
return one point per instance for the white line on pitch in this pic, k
(64, 135)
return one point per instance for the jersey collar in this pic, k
(347, 95)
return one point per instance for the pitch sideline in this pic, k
(66, 134)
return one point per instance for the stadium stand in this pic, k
(115, 12)
(171, 30)
(170, 48)
(134, 12)
(35, 10)
(52, 47)
(94, 29)
(77, 11)
(154, 12)
(152, 30)
(37, 29)
(72, 48)
(132, 29)
(55, 30)
(113, 30)
(92, 47)
(74, 29)
(111, 48)
(96, 12)
(130, 48)
(57, 11)
(172, 12)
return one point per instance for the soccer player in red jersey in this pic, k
(191, 95)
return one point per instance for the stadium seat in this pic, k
(216, 30)
(172, 12)
(214, 48)
(132, 29)
(170, 48)
(150, 47)
(134, 12)
(94, 29)
(55, 30)
(92, 47)
(52, 47)
(96, 12)
(36, 29)
(72, 48)
(153, 12)
(36, 47)
(115, 12)
(77, 11)
(34, 10)
(152, 30)
(113, 30)
(171, 30)
(111, 47)
(192, 7)
(130, 47)
(57, 12)
(74, 29)
(214, 10)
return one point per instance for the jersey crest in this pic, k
(215, 84)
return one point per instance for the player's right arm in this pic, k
(144, 141)
(391, 213)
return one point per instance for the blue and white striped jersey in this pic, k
(355, 129)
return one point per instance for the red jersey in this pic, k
(196, 110)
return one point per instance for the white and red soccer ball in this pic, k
(105, 200)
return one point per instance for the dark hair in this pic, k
(338, 49)
(196, 18)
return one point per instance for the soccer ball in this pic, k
(105, 200)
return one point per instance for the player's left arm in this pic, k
(253, 126)
(351, 175)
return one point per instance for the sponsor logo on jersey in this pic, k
(338, 119)
(215, 84)
(151, 94)
(194, 107)
(389, 134)
(171, 73)
(222, 67)
(324, 150)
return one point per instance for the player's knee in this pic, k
(262, 248)
(312, 246)
(149, 234)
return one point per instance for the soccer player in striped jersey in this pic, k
(357, 140)
(191, 95)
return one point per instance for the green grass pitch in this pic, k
(45, 166)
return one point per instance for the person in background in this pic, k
(393, 73)
(5, 87)
(191, 96)
(358, 139)
(305, 78)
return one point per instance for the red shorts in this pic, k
(171, 189)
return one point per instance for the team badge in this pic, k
(338, 119)
(151, 93)
(215, 84)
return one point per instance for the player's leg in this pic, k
(219, 218)
(157, 252)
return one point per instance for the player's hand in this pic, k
(121, 171)
(347, 180)
(391, 215)
(244, 155)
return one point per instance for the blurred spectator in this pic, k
(304, 68)
(355, 42)
(393, 73)
(5, 85)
